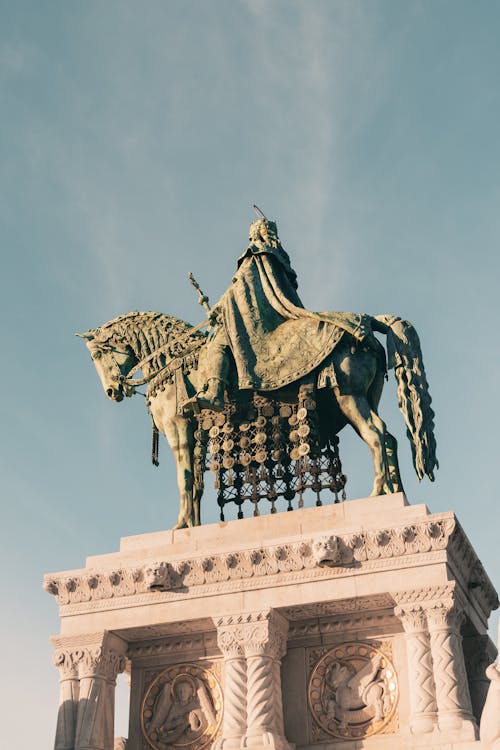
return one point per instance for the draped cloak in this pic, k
(273, 338)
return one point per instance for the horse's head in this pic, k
(113, 361)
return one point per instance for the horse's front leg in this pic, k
(179, 434)
(180, 437)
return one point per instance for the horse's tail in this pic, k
(404, 354)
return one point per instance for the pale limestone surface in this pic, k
(490, 718)
(361, 624)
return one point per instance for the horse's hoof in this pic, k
(181, 525)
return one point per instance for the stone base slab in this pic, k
(340, 626)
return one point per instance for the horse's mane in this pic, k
(146, 332)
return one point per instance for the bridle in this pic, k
(132, 382)
(117, 375)
(128, 380)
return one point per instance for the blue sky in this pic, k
(134, 138)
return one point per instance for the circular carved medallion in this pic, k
(182, 708)
(353, 691)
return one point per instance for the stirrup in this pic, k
(191, 406)
(215, 404)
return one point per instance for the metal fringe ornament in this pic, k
(155, 444)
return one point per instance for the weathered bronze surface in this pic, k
(261, 398)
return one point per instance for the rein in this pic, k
(130, 381)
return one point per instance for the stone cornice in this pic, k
(470, 570)
(316, 557)
(336, 553)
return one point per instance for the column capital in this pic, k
(99, 654)
(445, 615)
(67, 664)
(260, 633)
(413, 617)
(441, 606)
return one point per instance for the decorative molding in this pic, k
(378, 547)
(167, 646)
(339, 626)
(249, 584)
(426, 596)
(342, 606)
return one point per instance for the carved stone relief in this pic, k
(334, 552)
(353, 691)
(182, 708)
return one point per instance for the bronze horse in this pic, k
(167, 349)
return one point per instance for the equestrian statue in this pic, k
(260, 398)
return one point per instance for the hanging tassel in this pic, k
(155, 445)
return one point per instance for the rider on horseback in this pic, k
(261, 325)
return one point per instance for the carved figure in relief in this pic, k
(182, 708)
(353, 691)
(327, 551)
(263, 340)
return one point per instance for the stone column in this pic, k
(452, 689)
(253, 645)
(89, 666)
(230, 642)
(67, 664)
(420, 673)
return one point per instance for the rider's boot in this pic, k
(211, 397)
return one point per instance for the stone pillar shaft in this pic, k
(261, 714)
(420, 672)
(452, 690)
(252, 645)
(235, 698)
(89, 667)
(68, 700)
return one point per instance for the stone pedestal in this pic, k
(353, 625)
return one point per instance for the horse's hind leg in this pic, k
(371, 429)
(391, 451)
(391, 444)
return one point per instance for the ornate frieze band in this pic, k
(323, 551)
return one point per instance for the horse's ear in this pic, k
(87, 335)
